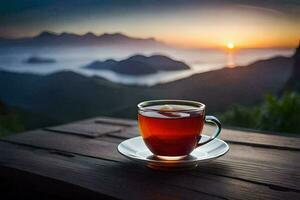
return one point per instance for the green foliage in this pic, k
(274, 114)
(10, 121)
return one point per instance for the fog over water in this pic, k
(74, 58)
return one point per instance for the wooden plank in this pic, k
(120, 122)
(64, 142)
(280, 169)
(115, 121)
(284, 159)
(128, 181)
(273, 167)
(85, 129)
(230, 135)
(102, 177)
(24, 184)
(235, 136)
(94, 127)
(90, 147)
(127, 133)
(259, 139)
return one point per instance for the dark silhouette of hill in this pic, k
(139, 65)
(161, 63)
(47, 38)
(107, 64)
(294, 81)
(67, 96)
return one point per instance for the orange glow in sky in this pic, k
(248, 27)
(190, 27)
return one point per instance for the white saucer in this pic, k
(136, 150)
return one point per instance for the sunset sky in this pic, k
(190, 24)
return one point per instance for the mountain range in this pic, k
(66, 96)
(47, 38)
(139, 65)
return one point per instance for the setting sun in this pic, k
(230, 45)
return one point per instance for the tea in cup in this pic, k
(172, 129)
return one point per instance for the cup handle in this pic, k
(212, 120)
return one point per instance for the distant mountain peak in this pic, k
(114, 35)
(67, 34)
(49, 38)
(89, 34)
(46, 34)
(138, 56)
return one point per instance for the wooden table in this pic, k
(80, 160)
